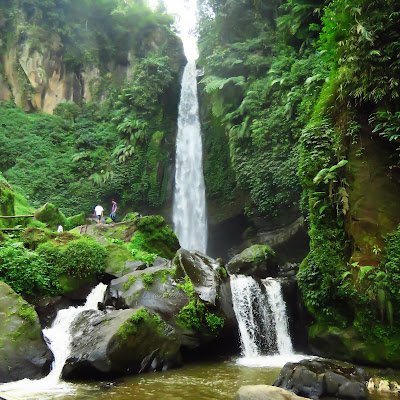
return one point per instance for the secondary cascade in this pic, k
(59, 340)
(261, 315)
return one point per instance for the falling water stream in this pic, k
(189, 211)
(263, 323)
(59, 341)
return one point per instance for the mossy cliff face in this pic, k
(374, 192)
(350, 278)
(42, 66)
(23, 352)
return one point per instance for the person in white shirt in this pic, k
(98, 212)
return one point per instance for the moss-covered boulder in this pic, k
(119, 260)
(23, 352)
(120, 343)
(257, 260)
(203, 272)
(51, 216)
(153, 288)
(183, 294)
(145, 237)
(153, 235)
(75, 220)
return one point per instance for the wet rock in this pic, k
(263, 392)
(258, 261)
(48, 307)
(184, 295)
(203, 272)
(320, 378)
(153, 288)
(119, 343)
(23, 352)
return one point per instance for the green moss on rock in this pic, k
(51, 216)
(153, 235)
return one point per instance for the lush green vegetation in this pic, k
(303, 97)
(260, 84)
(116, 147)
(43, 271)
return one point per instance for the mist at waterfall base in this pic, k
(59, 341)
(263, 323)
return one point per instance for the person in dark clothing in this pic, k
(113, 210)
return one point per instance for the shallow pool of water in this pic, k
(199, 381)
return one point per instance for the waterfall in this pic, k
(278, 307)
(58, 335)
(189, 211)
(253, 315)
(263, 324)
(59, 341)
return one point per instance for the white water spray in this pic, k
(59, 342)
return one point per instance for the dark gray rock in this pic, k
(131, 266)
(23, 352)
(201, 270)
(153, 288)
(321, 378)
(119, 343)
(258, 261)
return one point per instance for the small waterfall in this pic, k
(58, 335)
(263, 324)
(278, 307)
(253, 315)
(189, 211)
(59, 341)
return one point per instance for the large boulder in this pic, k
(153, 288)
(50, 215)
(257, 260)
(23, 352)
(183, 294)
(323, 378)
(147, 234)
(264, 392)
(119, 343)
(203, 272)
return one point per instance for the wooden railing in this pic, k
(17, 216)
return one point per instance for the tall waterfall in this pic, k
(263, 324)
(59, 340)
(189, 211)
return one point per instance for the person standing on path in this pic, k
(98, 212)
(113, 210)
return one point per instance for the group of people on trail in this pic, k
(98, 211)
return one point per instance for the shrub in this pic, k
(83, 258)
(27, 272)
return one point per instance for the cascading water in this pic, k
(253, 316)
(263, 322)
(278, 307)
(189, 210)
(59, 340)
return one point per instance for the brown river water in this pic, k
(218, 380)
